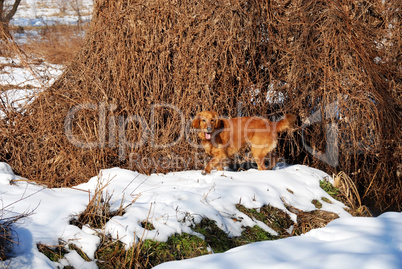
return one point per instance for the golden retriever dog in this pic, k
(222, 137)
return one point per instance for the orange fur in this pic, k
(222, 138)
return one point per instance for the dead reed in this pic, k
(8, 235)
(98, 212)
(6, 240)
(333, 63)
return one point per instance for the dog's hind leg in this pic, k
(259, 156)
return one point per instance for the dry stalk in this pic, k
(345, 184)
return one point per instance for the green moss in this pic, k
(149, 253)
(330, 189)
(147, 225)
(217, 239)
(325, 199)
(178, 247)
(54, 253)
(253, 234)
(112, 254)
(273, 217)
(317, 204)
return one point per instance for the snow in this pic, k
(38, 75)
(173, 202)
(75, 260)
(39, 13)
(25, 82)
(358, 242)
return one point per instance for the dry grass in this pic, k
(8, 236)
(351, 196)
(345, 184)
(56, 44)
(225, 56)
(98, 212)
(110, 253)
(6, 240)
(307, 221)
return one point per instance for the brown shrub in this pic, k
(334, 63)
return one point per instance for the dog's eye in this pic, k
(203, 120)
(212, 120)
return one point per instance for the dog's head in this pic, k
(208, 122)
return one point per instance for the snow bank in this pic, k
(343, 243)
(173, 202)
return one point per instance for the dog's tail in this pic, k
(286, 123)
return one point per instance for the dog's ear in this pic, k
(218, 124)
(196, 122)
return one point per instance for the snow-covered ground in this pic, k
(13, 72)
(173, 202)
(344, 243)
(24, 83)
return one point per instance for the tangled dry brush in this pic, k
(147, 67)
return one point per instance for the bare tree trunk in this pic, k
(6, 16)
(12, 12)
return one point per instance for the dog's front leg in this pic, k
(216, 162)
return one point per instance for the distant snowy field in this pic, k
(27, 82)
(49, 12)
